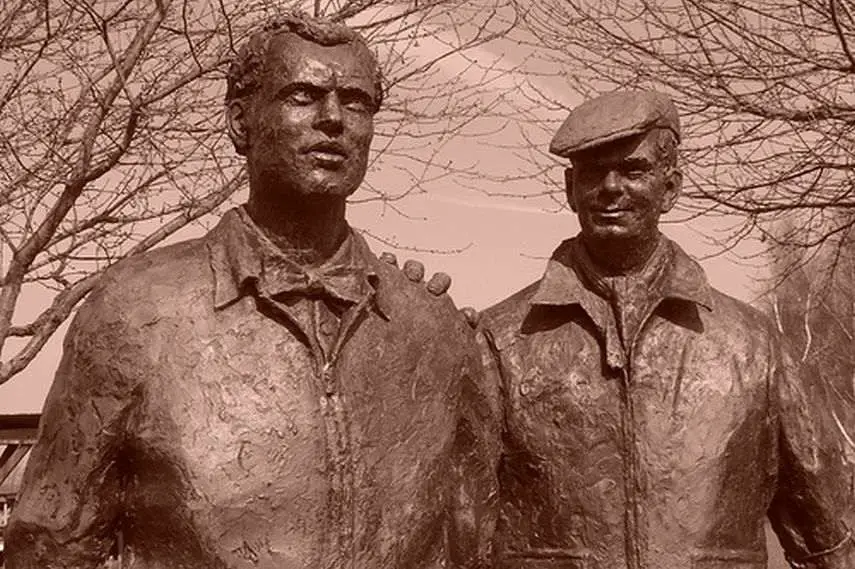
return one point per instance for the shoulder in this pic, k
(741, 331)
(408, 297)
(722, 314)
(512, 310)
(141, 288)
(732, 313)
(160, 271)
(108, 348)
(502, 321)
(425, 324)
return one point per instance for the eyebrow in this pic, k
(623, 163)
(636, 162)
(357, 92)
(297, 85)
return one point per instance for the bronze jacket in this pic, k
(666, 455)
(203, 419)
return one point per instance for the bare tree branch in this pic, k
(111, 133)
(764, 89)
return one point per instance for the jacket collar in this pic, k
(245, 261)
(562, 283)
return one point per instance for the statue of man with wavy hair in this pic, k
(270, 396)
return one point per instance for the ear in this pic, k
(236, 121)
(568, 187)
(673, 188)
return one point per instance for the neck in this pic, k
(618, 257)
(308, 229)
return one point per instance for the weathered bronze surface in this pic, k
(649, 421)
(271, 395)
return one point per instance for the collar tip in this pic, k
(382, 312)
(706, 302)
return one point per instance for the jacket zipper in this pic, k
(636, 542)
(341, 512)
(632, 510)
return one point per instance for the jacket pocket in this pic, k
(556, 559)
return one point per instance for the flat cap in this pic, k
(614, 116)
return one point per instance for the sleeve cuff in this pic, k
(840, 555)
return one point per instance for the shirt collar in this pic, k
(562, 283)
(244, 261)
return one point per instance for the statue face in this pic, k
(620, 189)
(308, 128)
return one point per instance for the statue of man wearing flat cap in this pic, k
(272, 395)
(650, 421)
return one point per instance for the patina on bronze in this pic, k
(650, 421)
(270, 396)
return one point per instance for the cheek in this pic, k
(361, 128)
(283, 119)
(267, 131)
(584, 192)
(361, 142)
(644, 193)
(277, 140)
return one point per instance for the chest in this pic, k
(257, 421)
(686, 392)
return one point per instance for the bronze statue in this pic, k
(650, 421)
(270, 395)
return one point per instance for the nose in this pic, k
(611, 181)
(329, 117)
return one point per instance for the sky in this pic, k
(491, 245)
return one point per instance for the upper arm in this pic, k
(476, 486)
(71, 493)
(806, 511)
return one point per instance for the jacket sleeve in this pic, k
(67, 512)
(806, 512)
(475, 491)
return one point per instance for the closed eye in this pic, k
(301, 94)
(357, 100)
(636, 169)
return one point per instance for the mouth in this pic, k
(328, 153)
(612, 212)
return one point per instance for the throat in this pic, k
(631, 279)
(621, 257)
(308, 230)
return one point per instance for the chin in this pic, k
(333, 186)
(332, 191)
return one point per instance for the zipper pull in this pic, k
(327, 374)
